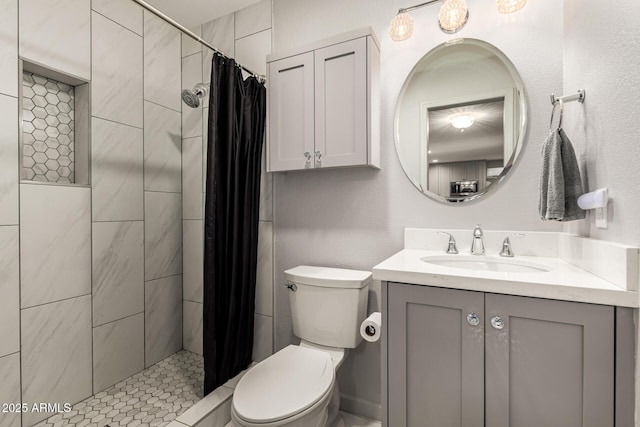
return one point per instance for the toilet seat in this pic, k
(284, 385)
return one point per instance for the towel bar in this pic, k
(578, 96)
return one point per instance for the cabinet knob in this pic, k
(308, 156)
(318, 155)
(473, 319)
(497, 322)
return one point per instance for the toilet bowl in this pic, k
(297, 386)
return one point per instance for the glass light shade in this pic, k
(510, 6)
(462, 121)
(401, 27)
(453, 15)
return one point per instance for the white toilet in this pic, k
(297, 386)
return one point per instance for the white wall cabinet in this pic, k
(324, 104)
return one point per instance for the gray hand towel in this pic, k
(560, 181)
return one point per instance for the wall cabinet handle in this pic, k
(497, 322)
(473, 319)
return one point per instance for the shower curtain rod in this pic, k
(194, 36)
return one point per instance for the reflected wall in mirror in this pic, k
(460, 120)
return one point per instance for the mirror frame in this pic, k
(519, 89)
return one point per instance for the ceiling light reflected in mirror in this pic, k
(461, 121)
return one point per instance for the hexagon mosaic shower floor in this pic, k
(151, 398)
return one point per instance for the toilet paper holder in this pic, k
(371, 327)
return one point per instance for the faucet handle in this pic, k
(506, 245)
(451, 247)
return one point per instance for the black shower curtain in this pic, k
(237, 112)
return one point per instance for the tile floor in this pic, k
(355, 421)
(154, 398)
(151, 398)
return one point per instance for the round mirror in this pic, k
(460, 121)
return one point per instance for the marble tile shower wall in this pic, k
(246, 35)
(91, 288)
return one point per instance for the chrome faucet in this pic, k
(506, 246)
(451, 247)
(477, 245)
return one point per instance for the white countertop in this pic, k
(564, 281)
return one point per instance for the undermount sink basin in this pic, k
(485, 263)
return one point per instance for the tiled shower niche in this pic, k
(54, 140)
(48, 136)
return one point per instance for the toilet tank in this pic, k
(328, 304)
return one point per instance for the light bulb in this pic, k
(510, 6)
(453, 15)
(401, 27)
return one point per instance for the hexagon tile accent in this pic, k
(151, 398)
(47, 129)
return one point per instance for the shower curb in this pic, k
(214, 409)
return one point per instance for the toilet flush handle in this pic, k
(291, 286)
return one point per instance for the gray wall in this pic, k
(91, 275)
(355, 217)
(604, 134)
(603, 131)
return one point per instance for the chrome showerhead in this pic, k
(192, 97)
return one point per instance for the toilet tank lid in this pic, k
(328, 277)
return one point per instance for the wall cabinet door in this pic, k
(435, 356)
(444, 180)
(458, 172)
(551, 364)
(433, 184)
(341, 104)
(471, 171)
(291, 117)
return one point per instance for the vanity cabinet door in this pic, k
(548, 363)
(291, 115)
(435, 357)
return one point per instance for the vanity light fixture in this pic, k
(461, 121)
(453, 15)
(510, 6)
(401, 26)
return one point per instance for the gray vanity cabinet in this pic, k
(527, 362)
